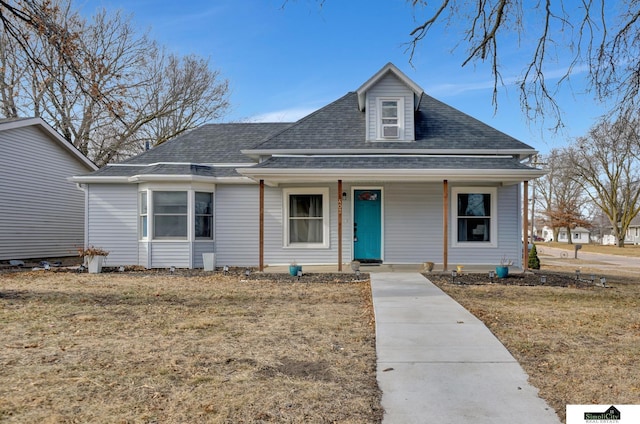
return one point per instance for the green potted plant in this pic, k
(502, 270)
(94, 258)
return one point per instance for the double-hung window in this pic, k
(144, 217)
(390, 118)
(170, 214)
(475, 215)
(203, 216)
(306, 217)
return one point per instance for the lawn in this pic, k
(579, 344)
(140, 348)
(627, 250)
(146, 347)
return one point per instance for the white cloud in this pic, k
(285, 115)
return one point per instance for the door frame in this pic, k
(353, 216)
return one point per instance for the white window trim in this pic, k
(141, 237)
(324, 191)
(493, 235)
(189, 235)
(401, 122)
(212, 214)
(191, 208)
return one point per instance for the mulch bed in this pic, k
(553, 279)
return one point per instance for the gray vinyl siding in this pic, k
(166, 254)
(413, 223)
(509, 234)
(237, 225)
(144, 250)
(113, 221)
(200, 247)
(277, 254)
(390, 86)
(41, 213)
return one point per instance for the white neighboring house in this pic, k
(633, 232)
(632, 236)
(41, 212)
(578, 235)
(547, 233)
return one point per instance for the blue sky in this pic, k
(284, 62)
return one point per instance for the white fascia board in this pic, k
(213, 165)
(521, 153)
(91, 179)
(491, 175)
(157, 178)
(172, 178)
(389, 67)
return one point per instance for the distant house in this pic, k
(579, 235)
(384, 174)
(41, 211)
(632, 236)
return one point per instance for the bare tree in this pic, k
(597, 36)
(120, 92)
(563, 199)
(606, 165)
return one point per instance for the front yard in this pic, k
(136, 348)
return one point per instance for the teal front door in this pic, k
(367, 226)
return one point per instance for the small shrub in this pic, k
(534, 261)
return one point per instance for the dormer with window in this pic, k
(389, 100)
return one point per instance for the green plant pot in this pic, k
(502, 271)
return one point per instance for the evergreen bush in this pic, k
(534, 261)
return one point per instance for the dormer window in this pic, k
(390, 118)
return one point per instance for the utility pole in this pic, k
(535, 163)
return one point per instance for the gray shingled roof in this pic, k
(211, 143)
(391, 162)
(208, 144)
(166, 169)
(340, 125)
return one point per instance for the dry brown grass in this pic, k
(628, 250)
(578, 345)
(123, 348)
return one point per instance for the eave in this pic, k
(136, 179)
(520, 154)
(275, 176)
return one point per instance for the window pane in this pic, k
(390, 109)
(474, 204)
(305, 205)
(204, 227)
(143, 226)
(170, 226)
(174, 202)
(143, 202)
(305, 230)
(204, 203)
(203, 215)
(474, 229)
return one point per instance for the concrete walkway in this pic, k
(437, 363)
